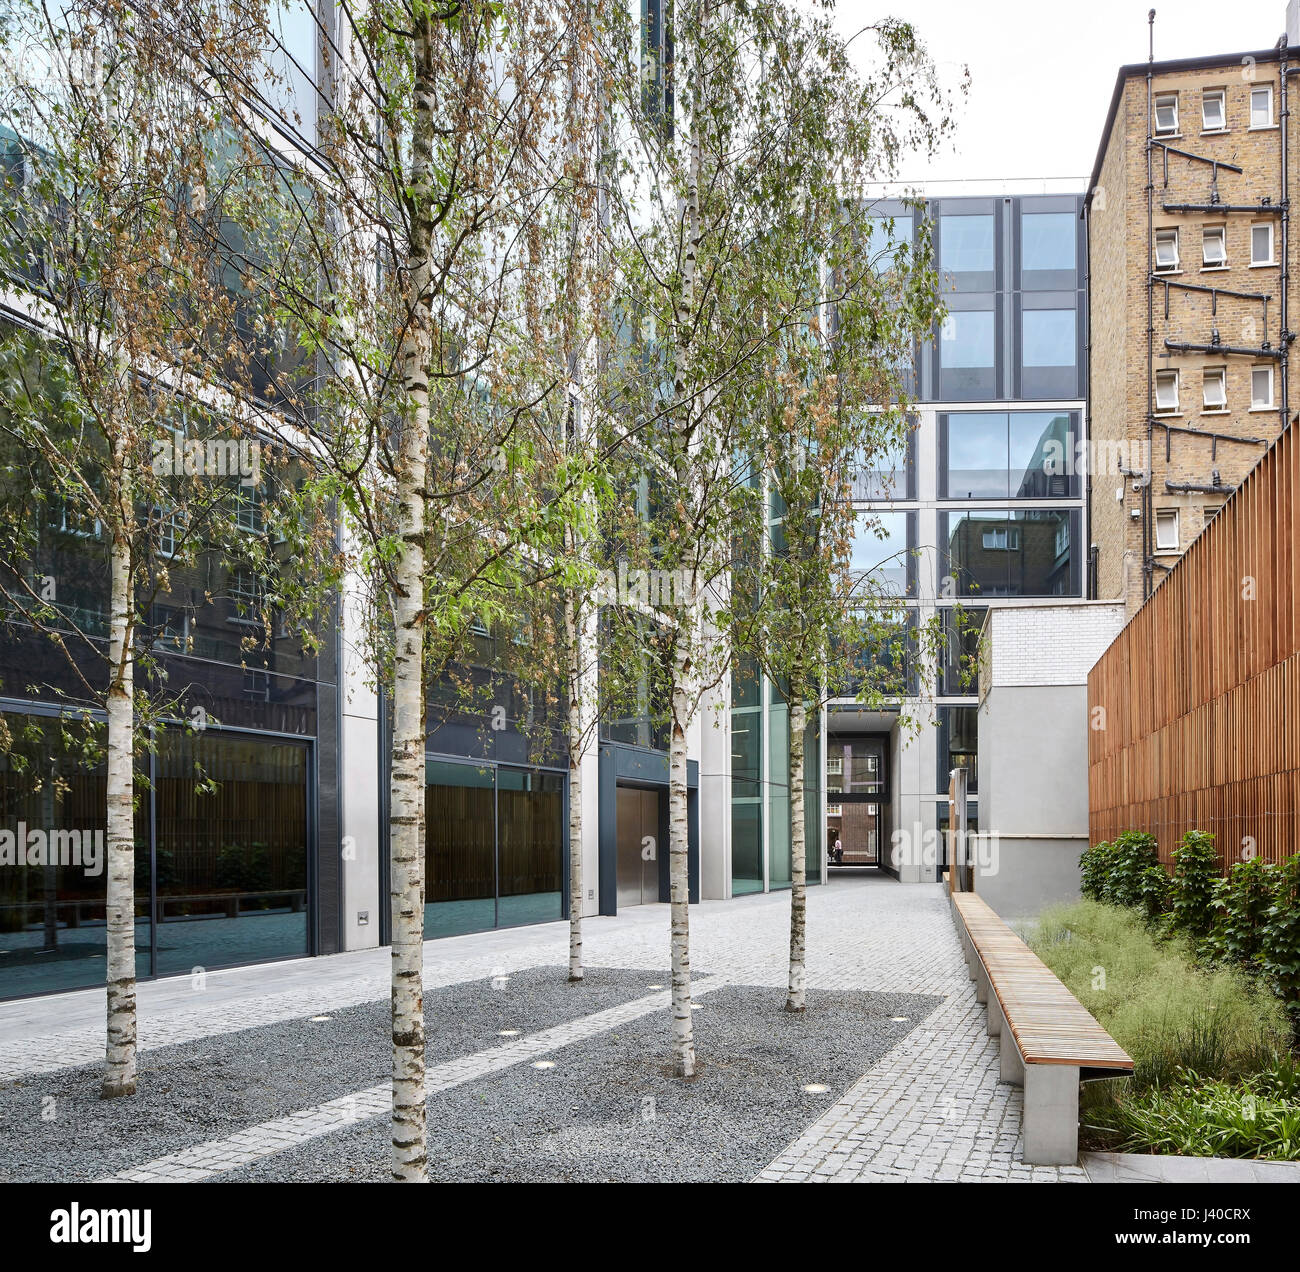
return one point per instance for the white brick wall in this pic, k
(1048, 644)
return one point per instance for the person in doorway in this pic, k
(837, 851)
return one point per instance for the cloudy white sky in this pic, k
(1042, 70)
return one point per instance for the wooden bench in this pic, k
(1048, 1041)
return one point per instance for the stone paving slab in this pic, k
(931, 1108)
(1150, 1168)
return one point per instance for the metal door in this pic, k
(638, 846)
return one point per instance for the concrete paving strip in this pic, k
(1154, 1168)
(215, 1157)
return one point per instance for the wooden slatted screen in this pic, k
(1195, 707)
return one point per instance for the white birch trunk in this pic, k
(679, 871)
(798, 875)
(573, 629)
(410, 1161)
(688, 628)
(120, 1051)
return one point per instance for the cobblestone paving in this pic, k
(929, 1109)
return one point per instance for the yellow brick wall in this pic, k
(1119, 241)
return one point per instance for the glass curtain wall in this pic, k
(494, 847)
(221, 850)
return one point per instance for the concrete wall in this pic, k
(1033, 751)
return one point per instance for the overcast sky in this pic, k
(1042, 71)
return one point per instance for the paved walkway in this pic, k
(929, 1109)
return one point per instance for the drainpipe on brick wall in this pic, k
(1146, 487)
(1284, 339)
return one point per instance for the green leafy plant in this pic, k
(1242, 903)
(1155, 890)
(1279, 938)
(1129, 859)
(1192, 894)
(1094, 870)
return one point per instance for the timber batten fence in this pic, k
(1194, 709)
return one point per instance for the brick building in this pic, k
(1191, 302)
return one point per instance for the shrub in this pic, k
(1279, 944)
(1192, 893)
(1163, 1010)
(1155, 892)
(1242, 903)
(1130, 857)
(1094, 869)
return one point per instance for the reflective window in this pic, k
(958, 745)
(959, 674)
(888, 473)
(494, 847)
(1024, 552)
(884, 236)
(967, 339)
(966, 244)
(1048, 338)
(231, 856)
(882, 547)
(1017, 454)
(1048, 241)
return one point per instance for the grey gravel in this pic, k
(611, 1111)
(214, 1087)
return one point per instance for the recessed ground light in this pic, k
(507, 1033)
(816, 1088)
(900, 1018)
(322, 1017)
(697, 1006)
(654, 987)
(543, 1064)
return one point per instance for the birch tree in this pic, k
(393, 238)
(104, 254)
(834, 395)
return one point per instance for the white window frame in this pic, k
(1257, 404)
(1218, 404)
(1255, 122)
(1165, 237)
(1164, 518)
(1165, 377)
(1212, 234)
(1001, 539)
(1165, 101)
(1261, 225)
(254, 601)
(1219, 95)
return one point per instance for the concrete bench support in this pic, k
(1050, 1128)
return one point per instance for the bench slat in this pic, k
(1049, 1024)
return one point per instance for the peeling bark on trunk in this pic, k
(798, 876)
(120, 1053)
(407, 783)
(688, 626)
(679, 878)
(574, 633)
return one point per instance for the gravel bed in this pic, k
(203, 1090)
(611, 1111)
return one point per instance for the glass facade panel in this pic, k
(977, 456)
(1048, 241)
(1009, 552)
(968, 339)
(459, 848)
(531, 844)
(966, 244)
(958, 745)
(1048, 337)
(231, 856)
(52, 844)
(882, 547)
(778, 868)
